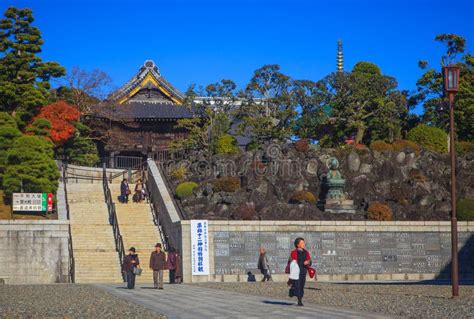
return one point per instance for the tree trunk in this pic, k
(359, 135)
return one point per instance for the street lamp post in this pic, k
(451, 86)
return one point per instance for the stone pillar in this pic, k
(112, 160)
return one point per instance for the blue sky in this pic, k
(205, 41)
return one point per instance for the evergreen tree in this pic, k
(363, 104)
(9, 132)
(430, 90)
(40, 127)
(24, 78)
(80, 149)
(30, 167)
(268, 110)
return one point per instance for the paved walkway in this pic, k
(189, 301)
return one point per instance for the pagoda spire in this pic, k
(340, 57)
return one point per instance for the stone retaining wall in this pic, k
(34, 251)
(342, 250)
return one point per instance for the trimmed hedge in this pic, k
(302, 145)
(430, 138)
(228, 184)
(381, 146)
(185, 189)
(299, 197)
(379, 211)
(463, 147)
(465, 209)
(406, 146)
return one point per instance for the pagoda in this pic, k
(138, 120)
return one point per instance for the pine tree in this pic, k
(30, 167)
(24, 78)
(9, 132)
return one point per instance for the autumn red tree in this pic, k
(62, 116)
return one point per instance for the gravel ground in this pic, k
(66, 301)
(404, 300)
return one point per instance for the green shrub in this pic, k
(30, 166)
(226, 184)
(299, 197)
(178, 173)
(302, 145)
(185, 189)
(227, 144)
(406, 146)
(463, 147)
(379, 211)
(381, 146)
(430, 138)
(465, 209)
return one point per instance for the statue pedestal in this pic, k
(344, 206)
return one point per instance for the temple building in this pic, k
(138, 120)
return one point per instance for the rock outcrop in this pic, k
(415, 186)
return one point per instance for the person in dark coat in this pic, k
(263, 265)
(158, 264)
(171, 264)
(303, 258)
(179, 269)
(130, 262)
(124, 191)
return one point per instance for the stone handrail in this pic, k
(164, 205)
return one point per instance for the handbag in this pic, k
(311, 272)
(287, 268)
(137, 271)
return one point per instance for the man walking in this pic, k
(158, 263)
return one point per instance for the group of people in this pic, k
(159, 262)
(298, 267)
(139, 194)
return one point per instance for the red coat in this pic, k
(294, 255)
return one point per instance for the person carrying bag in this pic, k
(299, 264)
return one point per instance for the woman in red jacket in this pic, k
(303, 258)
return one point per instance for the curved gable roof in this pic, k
(148, 75)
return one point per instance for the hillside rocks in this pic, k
(416, 187)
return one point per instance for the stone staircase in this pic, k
(95, 256)
(137, 230)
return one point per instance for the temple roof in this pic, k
(142, 110)
(148, 85)
(147, 110)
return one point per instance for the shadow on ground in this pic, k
(281, 303)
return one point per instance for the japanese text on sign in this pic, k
(199, 247)
(32, 202)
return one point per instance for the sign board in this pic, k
(32, 202)
(199, 247)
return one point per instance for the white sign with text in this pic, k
(199, 247)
